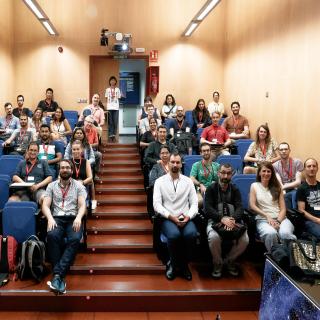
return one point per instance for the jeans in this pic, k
(181, 242)
(113, 122)
(312, 228)
(61, 254)
(289, 197)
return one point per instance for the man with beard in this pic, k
(223, 205)
(236, 124)
(8, 123)
(175, 200)
(21, 109)
(21, 136)
(49, 150)
(64, 207)
(204, 172)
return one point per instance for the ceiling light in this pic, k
(190, 28)
(48, 26)
(206, 9)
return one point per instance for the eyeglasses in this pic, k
(283, 149)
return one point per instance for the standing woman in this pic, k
(113, 95)
(264, 148)
(201, 116)
(169, 109)
(60, 126)
(267, 201)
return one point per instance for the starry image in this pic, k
(280, 299)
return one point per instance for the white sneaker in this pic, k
(93, 204)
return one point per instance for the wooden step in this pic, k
(117, 263)
(120, 172)
(105, 199)
(115, 190)
(121, 211)
(117, 180)
(120, 156)
(120, 145)
(120, 243)
(116, 226)
(121, 163)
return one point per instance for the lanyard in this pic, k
(164, 167)
(113, 91)
(64, 192)
(215, 131)
(200, 116)
(58, 125)
(22, 135)
(175, 186)
(29, 169)
(205, 168)
(77, 168)
(235, 123)
(45, 148)
(263, 148)
(180, 125)
(8, 122)
(284, 169)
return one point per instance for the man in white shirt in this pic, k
(175, 199)
(215, 105)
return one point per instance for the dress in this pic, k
(60, 129)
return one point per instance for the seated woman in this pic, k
(79, 134)
(264, 148)
(150, 135)
(267, 201)
(169, 109)
(60, 126)
(37, 120)
(201, 116)
(82, 169)
(162, 167)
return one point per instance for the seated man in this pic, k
(216, 136)
(175, 199)
(308, 197)
(8, 123)
(288, 171)
(204, 172)
(21, 109)
(48, 105)
(32, 170)
(236, 124)
(223, 205)
(49, 150)
(144, 124)
(179, 123)
(152, 154)
(64, 206)
(21, 136)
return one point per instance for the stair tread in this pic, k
(119, 240)
(121, 209)
(121, 198)
(120, 186)
(116, 224)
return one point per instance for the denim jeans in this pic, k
(62, 253)
(312, 228)
(113, 122)
(181, 242)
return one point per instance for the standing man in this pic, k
(21, 109)
(223, 206)
(64, 207)
(308, 197)
(175, 199)
(204, 172)
(216, 136)
(215, 105)
(48, 105)
(236, 124)
(21, 136)
(288, 171)
(8, 123)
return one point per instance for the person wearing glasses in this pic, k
(288, 171)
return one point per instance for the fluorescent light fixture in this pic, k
(205, 10)
(41, 16)
(48, 26)
(192, 26)
(199, 17)
(36, 9)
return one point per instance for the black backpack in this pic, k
(33, 256)
(183, 141)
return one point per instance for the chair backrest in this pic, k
(189, 118)
(4, 193)
(62, 147)
(168, 123)
(72, 122)
(19, 222)
(189, 160)
(8, 164)
(243, 182)
(243, 147)
(71, 114)
(1, 147)
(199, 133)
(22, 204)
(234, 160)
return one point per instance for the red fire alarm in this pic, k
(153, 57)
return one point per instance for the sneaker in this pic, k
(233, 269)
(93, 204)
(54, 284)
(97, 178)
(217, 271)
(63, 286)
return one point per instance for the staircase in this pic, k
(119, 270)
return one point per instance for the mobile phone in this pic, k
(181, 217)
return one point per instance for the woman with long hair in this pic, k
(201, 116)
(162, 167)
(60, 126)
(264, 148)
(267, 202)
(37, 120)
(169, 109)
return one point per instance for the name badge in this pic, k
(316, 208)
(44, 157)
(30, 179)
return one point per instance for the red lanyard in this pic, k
(215, 131)
(45, 148)
(284, 168)
(180, 125)
(77, 168)
(200, 116)
(64, 192)
(113, 91)
(29, 169)
(6, 126)
(263, 149)
(205, 168)
(235, 123)
(22, 135)
(164, 167)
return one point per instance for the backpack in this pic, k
(8, 258)
(33, 256)
(183, 141)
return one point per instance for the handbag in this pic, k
(233, 234)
